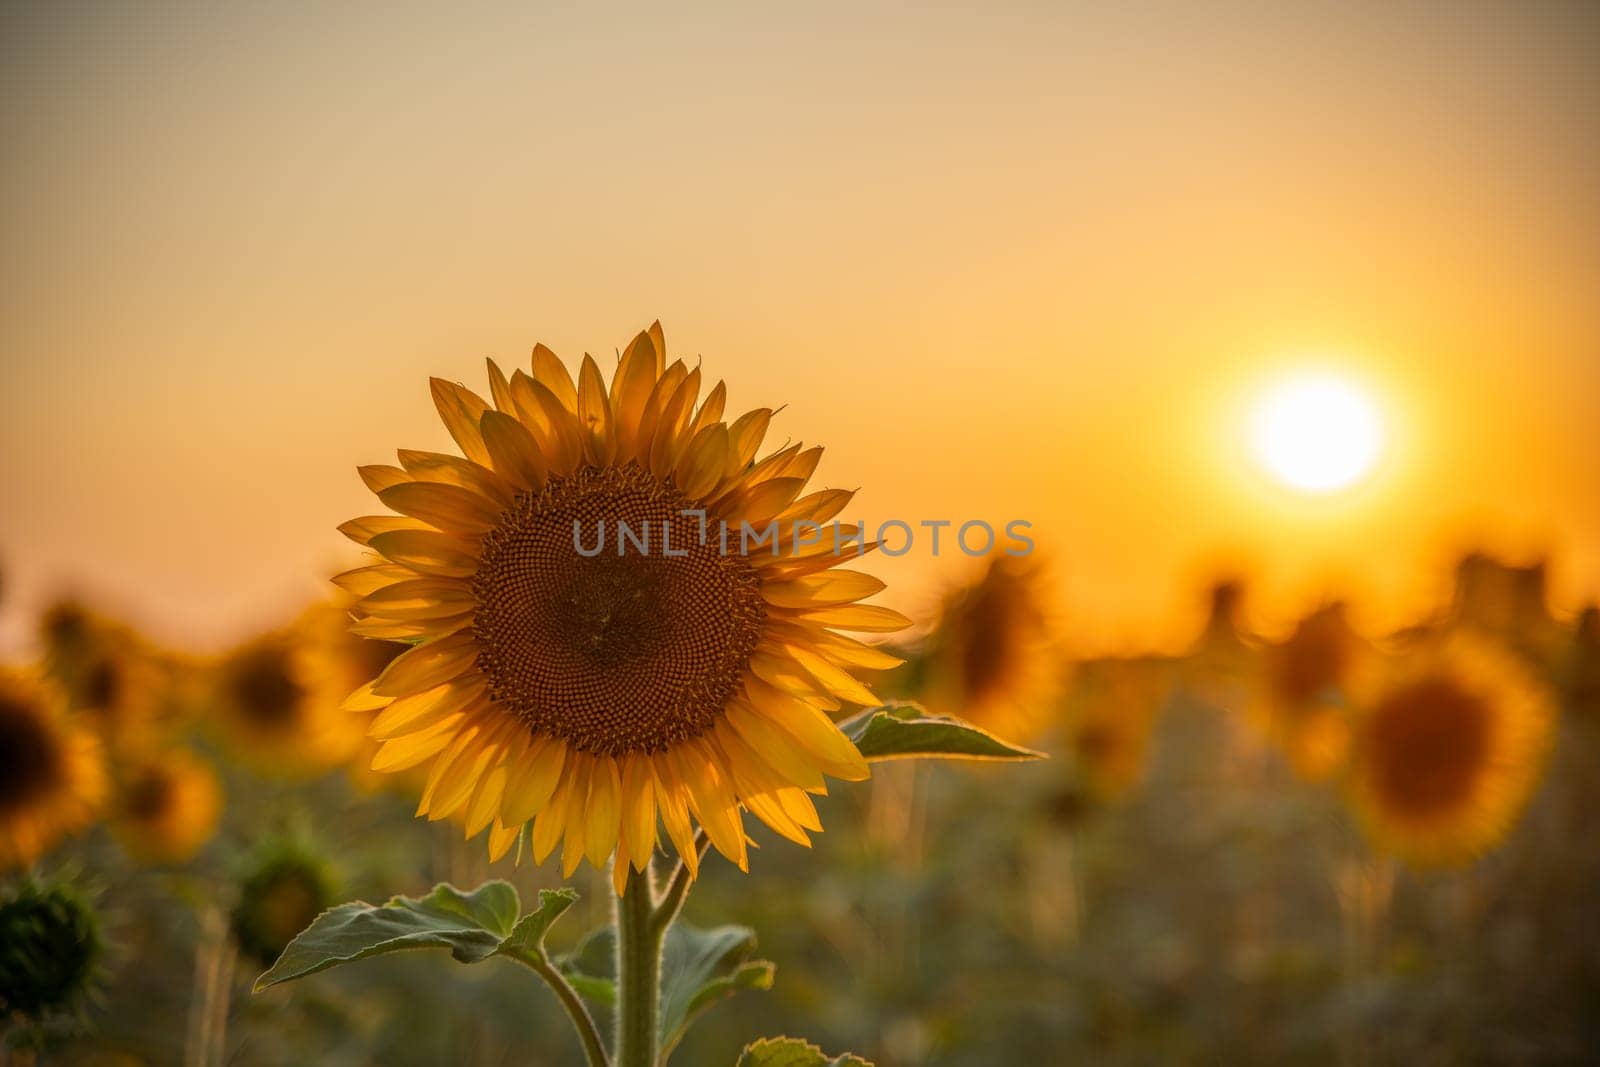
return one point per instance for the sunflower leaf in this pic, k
(473, 926)
(528, 935)
(698, 968)
(793, 1052)
(906, 731)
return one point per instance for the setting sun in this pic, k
(1316, 433)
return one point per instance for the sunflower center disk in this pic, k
(28, 753)
(1430, 741)
(264, 688)
(630, 651)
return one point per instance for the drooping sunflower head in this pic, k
(991, 658)
(52, 777)
(166, 806)
(284, 883)
(1300, 696)
(1447, 750)
(50, 949)
(270, 705)
(1110, 715)
(622, 614)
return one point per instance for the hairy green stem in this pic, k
(594, 1050)
(639, 942)
(678, 888)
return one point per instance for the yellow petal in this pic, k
(553, 427)
(499, 389)
(429, 552)
(782, 752)
(635, 377)
(549, 371)
(501, 838)
(575, 834)
(426, 666)
(710, 413)
(704, 463)
(819, 507)
(447, 507)
(835, 679)
(820, 737)
(675, 417)
(411, 629)
(516, 454)
(419, 598)
(485, 801)
(380, 476)
(605, 809)
(762, 503)
(364, 529)
(638, 808)
(821, 590)
(405, 752)
(422, 710)
(863, 618)
(364, 580)
(460, 408)
(746, 434)
(453, 470)
(712, 799)
(534, 780)
(672, 802)
(594, 414)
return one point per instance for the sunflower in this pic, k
(108, 674)
(166, 807)
(990, 658)
(1301, 690)
(1218, 664)
(1447, 750)
(278, 708)
(682, 674)
(1110, 717)
(52, 779)
(51, 944)
(284, 884)
(336, 662)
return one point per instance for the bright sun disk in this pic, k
(1316, 434)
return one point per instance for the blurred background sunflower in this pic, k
(52, 778)
(1447, 752)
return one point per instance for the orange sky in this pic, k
(1025, 265)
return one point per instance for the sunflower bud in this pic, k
(50, 947)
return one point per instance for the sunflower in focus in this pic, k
(1301, 691)
(1110, 717)
(990, 658)
(52, 778)
(683, 671)
(1447, 751)
(279, 713)
(166, 806)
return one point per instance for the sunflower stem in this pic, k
(678, 889)
(594, 1050)
(639, 941)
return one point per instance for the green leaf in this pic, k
(698, 968)
(473, 926)
(701, 967)
(906, 731)
(528, 935)
(793, 1052)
